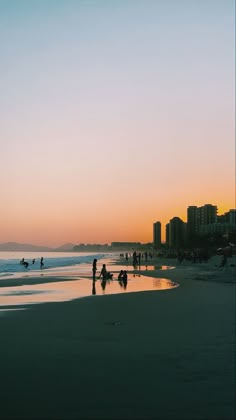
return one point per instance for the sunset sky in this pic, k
(113, 114)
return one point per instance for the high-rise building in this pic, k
(228, 217)
(177, 233)
(212, 228)
(199, 216)
(207, 214)
(232, 216)
(168, 234)
(157, 235)
(192, 220)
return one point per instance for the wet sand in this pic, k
(168, 354)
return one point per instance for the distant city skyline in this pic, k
(200, 220)
(113, 114)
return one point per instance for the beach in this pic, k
(166, 354)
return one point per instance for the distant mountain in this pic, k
(65, 248)
(14, 246)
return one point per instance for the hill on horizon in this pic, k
(65, 247)
(15, 246)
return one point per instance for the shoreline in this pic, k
(156, 354)
(210, 271)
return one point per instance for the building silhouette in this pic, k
(201, 221)
(207, 214)
(192, 221)
(228, 217)
(177, 233)
(168, 234)
(197, 217)
(157, 235)
(221, 228)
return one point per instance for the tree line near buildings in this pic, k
(211, 241)
(113, 247)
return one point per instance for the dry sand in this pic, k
(151, 355)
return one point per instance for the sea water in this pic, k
(10, 261)
(66, 276)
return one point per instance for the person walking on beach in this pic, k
(94, 268)
(139, 258)
(135, 259)
(41, 263)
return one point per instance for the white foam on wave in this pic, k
(11, 266)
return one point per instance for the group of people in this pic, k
(123, 278)
(106, 276)
(26, 264)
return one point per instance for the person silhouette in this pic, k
(120, 278)
(41, 263)
(24, 263)
(120, 275)
(94, 269)
(103, 273)
(125, 279)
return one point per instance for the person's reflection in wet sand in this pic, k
(103, 284)
(120, 278)
(94, 288)
(125, 279)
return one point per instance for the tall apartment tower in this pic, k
(168, 234)
(207, 214)
(177, 232)
(192, 220)
(157, 235)
(232, 216)
(228, 217)
(198, 216)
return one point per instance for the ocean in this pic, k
(65, 276)
(53, 261)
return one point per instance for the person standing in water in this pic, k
(94, 268)
(41, 263)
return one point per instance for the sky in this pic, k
(114, 114)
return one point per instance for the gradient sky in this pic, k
(113, 114)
